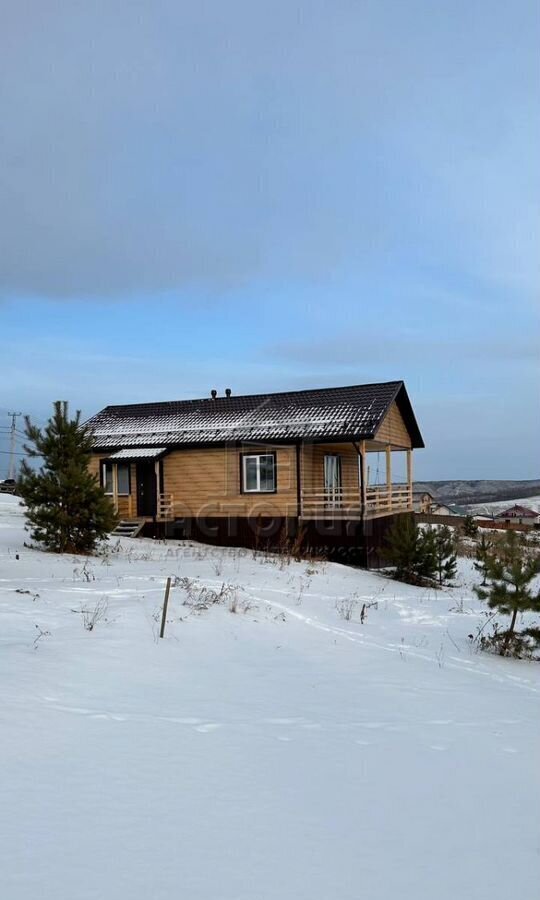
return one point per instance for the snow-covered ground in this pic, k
(491, 509)
(281, 752)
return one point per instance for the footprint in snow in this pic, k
(284, 721)
(185, 720)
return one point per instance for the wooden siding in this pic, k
(393, 430)
(127, 505)
(312, 471)
(207, 482)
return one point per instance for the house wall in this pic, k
(312, 470)
(393, 430)
(206, 482)
(127, 505)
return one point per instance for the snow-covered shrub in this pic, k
(93, 615)
(346, 607)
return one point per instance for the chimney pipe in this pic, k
(228, 392)
(213, 393)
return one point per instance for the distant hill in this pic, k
(465, 492)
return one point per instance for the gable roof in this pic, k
(518, 511)
(346, 413)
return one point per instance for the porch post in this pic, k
(389, 475)
(409, 478)
(298, 479)
(115, 486)
(363, 478)
(158, 486)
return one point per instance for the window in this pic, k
(259, 473)
(123, 478)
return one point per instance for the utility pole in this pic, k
(12, 444)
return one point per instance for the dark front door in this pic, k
(146, 489)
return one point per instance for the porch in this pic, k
(354, 495)
(381, 500)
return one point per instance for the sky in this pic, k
(273, 195)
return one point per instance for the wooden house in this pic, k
(423, 501)
(247, 470)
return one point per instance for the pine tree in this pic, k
(426, 567)
(510, 569)
(483, 550)
(403, 547)
(469, 527)
(411, 551)
(445, 555)
(67, 509)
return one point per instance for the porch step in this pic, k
(128, 528)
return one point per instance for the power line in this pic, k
(17, 453)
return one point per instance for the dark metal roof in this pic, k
(517, 511)
(345, 413)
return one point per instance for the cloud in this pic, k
(151, 147)
(368, 347)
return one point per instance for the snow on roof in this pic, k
(139, 453)
(349, 413)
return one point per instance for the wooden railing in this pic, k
(387, 499)
(338, 503)
(345, 503)
(165, 506)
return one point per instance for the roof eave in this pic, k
(337, 438)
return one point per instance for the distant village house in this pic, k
(518, 515)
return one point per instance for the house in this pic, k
(456, 510)
(440, 509)
(423, 501)
(519, 515)
(247, 470)
(444, 509)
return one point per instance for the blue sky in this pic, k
(276, 195)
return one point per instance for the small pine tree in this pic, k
(411, 551)
(403, 548)
(510, 570)
(469, 527)
(67, 509)
(445, 555)
(483, 550)
(426, 568)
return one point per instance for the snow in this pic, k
(139, 453)
(356, 410)
(278, 752)
(491, 509)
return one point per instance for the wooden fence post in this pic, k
(165, 605)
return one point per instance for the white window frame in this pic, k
(258, 489)
(111, 492)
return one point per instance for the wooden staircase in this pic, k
(128, 528)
